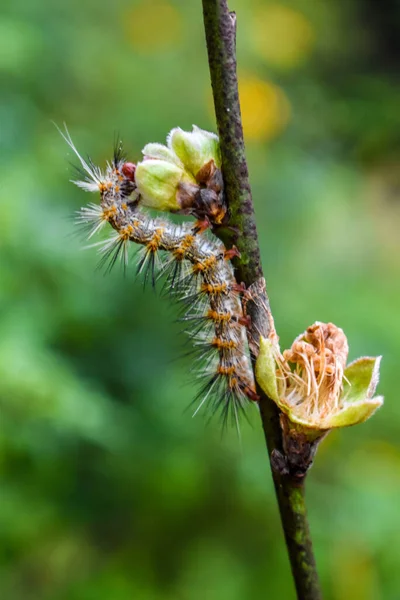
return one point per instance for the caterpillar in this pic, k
(198, 271)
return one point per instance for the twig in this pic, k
(220, 30)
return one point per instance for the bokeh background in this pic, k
(109, 490)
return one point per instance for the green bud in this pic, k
(195, 149)
(158, 179)
(162, 152)
(166, 177)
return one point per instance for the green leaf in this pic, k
(354, 413)
(195, 149)
(266, 370)
(360, 379)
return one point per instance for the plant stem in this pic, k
(220, 30)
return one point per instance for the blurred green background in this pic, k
(109, 490)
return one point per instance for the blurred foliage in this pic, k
(108, 488)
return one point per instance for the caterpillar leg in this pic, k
(201, 225)
(232, 253)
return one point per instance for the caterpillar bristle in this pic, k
(146, 266)
(177, 278)
(195, 269)
(219, 397)
(91, 175)
(90, 219)
(196, 322)
(78, 170)
(118, 152)
(113, 249)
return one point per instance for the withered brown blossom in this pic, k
(311, 383)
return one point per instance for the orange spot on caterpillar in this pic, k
(221, 370)
(124, 206)
(180, 252)
(187, 241)
(109, 213)
(154, 244)
(126, 232)
(204, 265)
(222, 344)
(214, 289)
(213, 315)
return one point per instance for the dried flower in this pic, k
(311, 383)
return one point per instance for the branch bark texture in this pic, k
(220, 30)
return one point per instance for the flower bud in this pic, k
(162, 152)
(195, 148)
(311, 383)
(159, 177)
(183, 176)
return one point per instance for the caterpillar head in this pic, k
(118, 184)
(115, 183)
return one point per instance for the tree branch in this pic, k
(220, 30)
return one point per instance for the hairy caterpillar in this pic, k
(198, 271)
